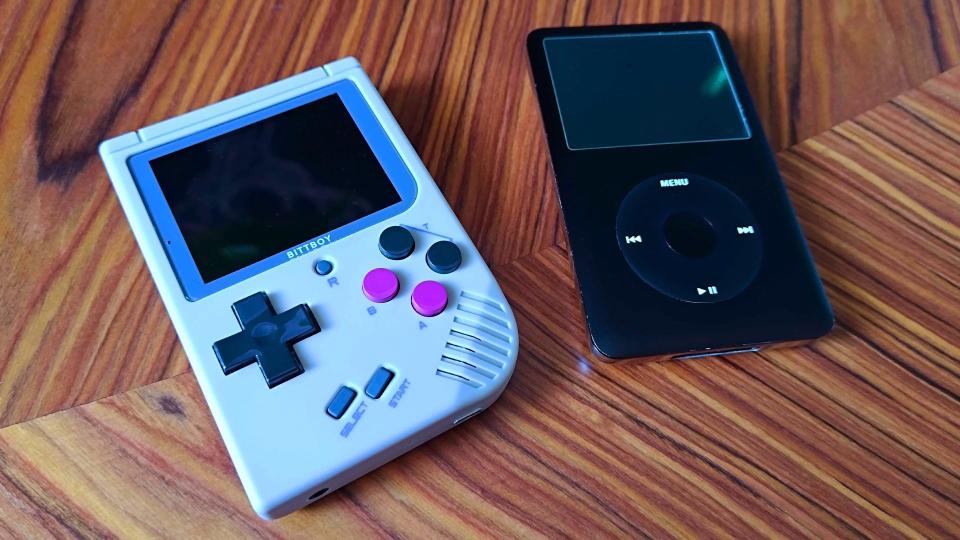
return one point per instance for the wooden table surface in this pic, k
(857, 434)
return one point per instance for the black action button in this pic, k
(443, 257)
(689, 237)
(378, 382)
(396, 243)
(341, 402)
(266, 338)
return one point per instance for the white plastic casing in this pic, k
(282, 442)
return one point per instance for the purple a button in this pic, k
(429, 298)
(380, 285)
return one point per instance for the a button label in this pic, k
(423, 325)
(372, 310)
(674, 182)
(636, 239)
(745, 230)
(709, 290)
(332, 282)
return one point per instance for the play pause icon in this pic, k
(708, 290)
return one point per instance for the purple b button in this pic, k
(380, 285)
(429, 298)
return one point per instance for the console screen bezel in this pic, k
(171, 237)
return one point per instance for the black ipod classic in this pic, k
(683, 239)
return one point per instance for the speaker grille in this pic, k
(480, 341)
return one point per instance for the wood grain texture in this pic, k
(856, 435)
(80, 314)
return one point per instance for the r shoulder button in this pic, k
(443, 257)
(323, 267)
(396, 243)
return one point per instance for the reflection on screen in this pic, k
(643, 89)
(264, 188)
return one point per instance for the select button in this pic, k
(689, 234)
(341, 402)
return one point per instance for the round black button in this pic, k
(689, 234)
(689, 237)
(443, 257)
(396, 243)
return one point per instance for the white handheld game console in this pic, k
(332, 307)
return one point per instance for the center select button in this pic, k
(684, 233)
(690, 234)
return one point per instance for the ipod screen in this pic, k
(256, 191)
(623, 90)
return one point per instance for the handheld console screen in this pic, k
(643, 89)
(250, 193)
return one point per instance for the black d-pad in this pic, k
(266, 338)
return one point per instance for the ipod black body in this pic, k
(683, 239)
